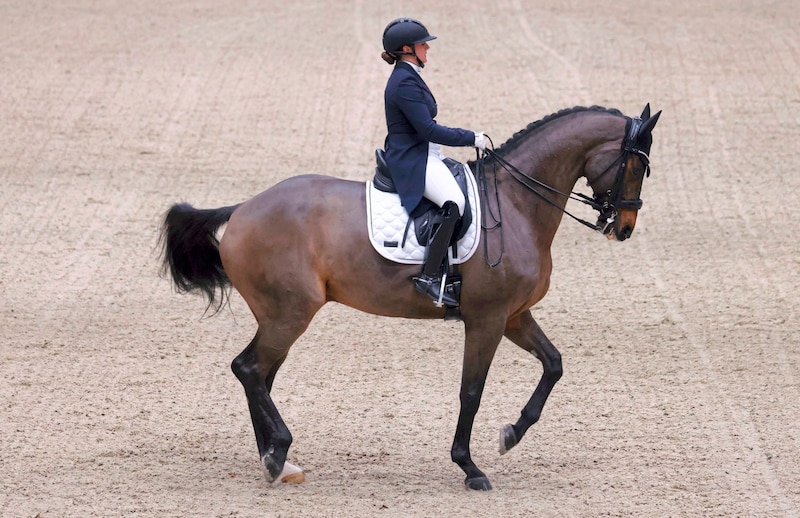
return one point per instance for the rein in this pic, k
(607, 208)
(509, 167)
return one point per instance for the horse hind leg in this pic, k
(255, 368)
(527, 334)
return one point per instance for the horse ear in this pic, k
(649, 124)
(646, 113)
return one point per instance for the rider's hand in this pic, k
(480, 140)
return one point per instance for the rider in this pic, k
(413, 146)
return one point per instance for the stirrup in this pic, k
(434, 287)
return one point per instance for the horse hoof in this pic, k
(508, 439)
(478, 484)
(277, 474)
(290, 474)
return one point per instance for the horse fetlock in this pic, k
(461, 456)
(508, 438)
(282, 440)
(272, 467)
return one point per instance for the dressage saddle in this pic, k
(424, 214)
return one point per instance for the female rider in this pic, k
(413, 146)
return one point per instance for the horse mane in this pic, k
(533, 126)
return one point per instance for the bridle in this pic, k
(612, 200)
(609, 203)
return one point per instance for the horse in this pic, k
(303, 242)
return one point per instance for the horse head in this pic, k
(617, 196)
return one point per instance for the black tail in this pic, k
(190, 251)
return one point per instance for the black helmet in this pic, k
(404, 31)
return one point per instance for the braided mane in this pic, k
(538, 124)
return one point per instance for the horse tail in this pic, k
(190, 251)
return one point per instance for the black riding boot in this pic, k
(430, 280)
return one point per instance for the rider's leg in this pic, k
(430, 280)
(442, 189)
(440, 185)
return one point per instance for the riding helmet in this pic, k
(404, 31)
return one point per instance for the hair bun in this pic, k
(388, 57)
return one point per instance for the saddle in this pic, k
(424, 215)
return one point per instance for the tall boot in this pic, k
(430, 280)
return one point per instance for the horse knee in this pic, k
(553, 368)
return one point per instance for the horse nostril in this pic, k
(627, 230)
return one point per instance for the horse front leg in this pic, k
(479, 350)
(526, 333)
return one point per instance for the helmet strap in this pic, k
(413, 53)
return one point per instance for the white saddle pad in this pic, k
(386, 224)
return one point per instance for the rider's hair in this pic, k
(388, 58)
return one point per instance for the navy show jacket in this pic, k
(410, 111)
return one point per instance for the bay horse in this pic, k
(303, 242)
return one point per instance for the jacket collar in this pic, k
(415, 68)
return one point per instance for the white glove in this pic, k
(480, 140)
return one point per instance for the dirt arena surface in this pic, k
(682, 372)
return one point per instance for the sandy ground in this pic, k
(682, 369)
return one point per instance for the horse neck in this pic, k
(555, 155)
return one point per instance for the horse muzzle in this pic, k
(619, 226)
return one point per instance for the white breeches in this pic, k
(440, 186)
